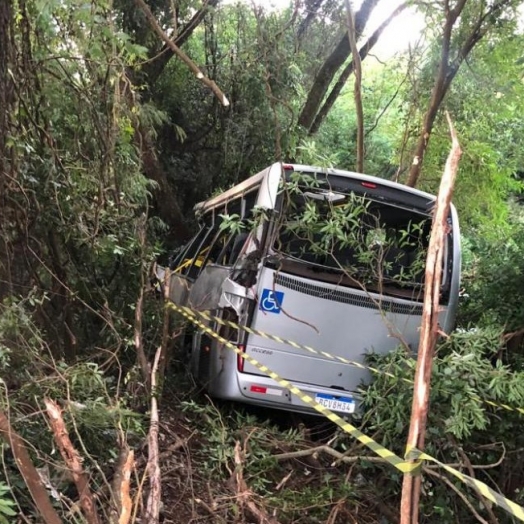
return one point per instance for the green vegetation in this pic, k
(107, 140)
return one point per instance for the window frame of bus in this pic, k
(191, 253)
(242, 205)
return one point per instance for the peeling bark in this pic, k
(429, 330)
(28, 471)
(72, 460)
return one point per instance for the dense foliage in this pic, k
(107, 140)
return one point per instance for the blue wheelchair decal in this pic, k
(271, 301)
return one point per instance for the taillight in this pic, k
(240, 360)
(369, 185)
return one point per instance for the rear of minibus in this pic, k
(316, 301)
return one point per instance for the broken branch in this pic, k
(72, 460)
(29, 473)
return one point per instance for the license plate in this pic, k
(342, 404)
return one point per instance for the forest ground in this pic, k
(202, 482)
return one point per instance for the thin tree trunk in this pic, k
(331, 65)
(429, 330)
(139, 310)
(447, 70)
(163, 359)
(312, 7)
(346, 73)
(357, 67)
(152, 510)
(6, 105)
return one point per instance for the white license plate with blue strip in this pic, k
(336, 403)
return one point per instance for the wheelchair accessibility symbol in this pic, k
(271, 301)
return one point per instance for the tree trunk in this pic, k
(357, 67)
(429, 331)
(447, 70)
(346, 73)
(6, 104)
(331, 65)
(312, 7)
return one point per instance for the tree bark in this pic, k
(331, 65)
(6, 87)
(447, 70)
(429, 330)
(6, 105)
(72, 460)
(357, 67)
(28, 471)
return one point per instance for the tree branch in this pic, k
(156, 65)
(458, 492)
(409, 508)
(192, 66)
(152, 510)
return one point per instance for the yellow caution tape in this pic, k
(381, 451)
(511, 507)
(325, 354)
(412, 464)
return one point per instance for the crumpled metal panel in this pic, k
(206, 291)
(179, 289)
(178, 286)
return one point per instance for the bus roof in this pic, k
(239, 189)
(255, 180)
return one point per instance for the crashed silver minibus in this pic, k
(325, 258)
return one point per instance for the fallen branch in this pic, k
(192, 66)
(342, 457)
(72, 460)
(471, 472)
(244, 493)
(29, 473)
(329, 451)
(409, 505)
(210, 510)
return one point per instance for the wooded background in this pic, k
(116, 117)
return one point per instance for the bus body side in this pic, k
(295, 300)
